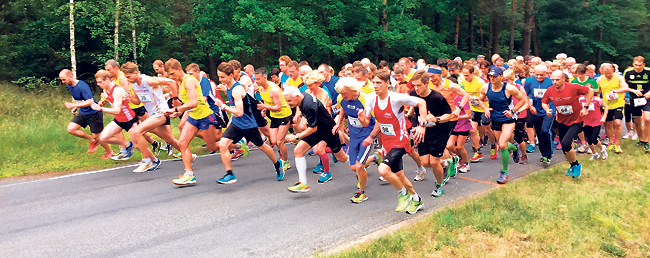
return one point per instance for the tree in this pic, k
(117, 29)
(73, 58)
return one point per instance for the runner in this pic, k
(503, 114)
(320, 127)
(388, 110)
(581, 78)
(149, 92)
(159, 67)
(294, 79)
(437, 132)
(565, 97)
(209, 98)
(535, 88)
(593, 121)
(638, 78)
(278, 112)
(284, 73)
(125, 118)
(352, 101)
(198, 115)
(480, 123)
(613, 88)
(313, 80)
(242, 124)
(459, 134)
(84, 115)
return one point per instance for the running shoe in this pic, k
(570, 171)
(628, 135)
(524, 159)
(618, 150)
(464, 168)
(503, 178)
(185, 179)
(493, 153)
(438, 191)
(299, 188)
(381, 178)
(334, 159)
(144, 167)
(228, 179)
(604, 154)
(129, 150)
(611, 147)
(635, 136)
(120, 156)
(244, 148)
(419, 174)
(311, 153)
(170, 150)
(93, 146)
(515, 154)
(646, 146)
(477, 157)
(286, 165)
(194, 156)
(545, 160)
(176, 155)
(403, 201)
(577, 170)
(531, 149)
(318, 169)
(453, 166)
(558, 146)
(279, 172)
(638, 144)
(379, 157)
(445, 177)
(604, 140)
(595, 156)
(156, 164)
(325, 177)
(359, 197)
(164, 147)
(581, 148)
(204, 146)
(155, 148)
(108, 155)
(238, 154)
(414, 206)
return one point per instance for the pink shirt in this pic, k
(593, 117)
(463, 125)
(524, 113)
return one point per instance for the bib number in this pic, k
(474, 102)
(387, 129)
(335, 109)
(539, 93)
(612, 96)
(565, 110)
(353, 121)
(144, 97)
(591, 107)
(640, 102)
(627, 101)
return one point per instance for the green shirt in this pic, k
(593, 82)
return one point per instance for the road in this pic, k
(116, 212)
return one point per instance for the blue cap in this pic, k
(495, 71)
(434, 70)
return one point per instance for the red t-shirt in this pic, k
(593, 117)
(567, 103)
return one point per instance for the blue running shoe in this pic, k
(334, 159)
(228, 179)
(503, 178)
(515, 154)
(318, 169)
(577, 170)
(129, 150)
(279, 172)
(155, 166)
(325, 177)
(311, 153)
(570, 171)
(531, 149)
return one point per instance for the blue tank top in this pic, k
(499, 103)
(351, 109)
(245, 121)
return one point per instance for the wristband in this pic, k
(176, 109)
(223, 106)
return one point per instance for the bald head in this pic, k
(66, 77)
(558, 78)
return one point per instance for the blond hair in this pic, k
(313, 77)
(348, 83)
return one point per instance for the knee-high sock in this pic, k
(301, 166)
(325, 160)
(505, 156)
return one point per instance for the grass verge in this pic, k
(34, 137)
(604, 213)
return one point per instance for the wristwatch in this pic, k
(438, 119)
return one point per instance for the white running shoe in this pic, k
(143, 168)
(419, 174)
(628, 135)
(595, 156)
(635, 136)
(381, 178)
(603, 153)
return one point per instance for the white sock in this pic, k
(415, 197)
(422, 168)
(403, 191)
(189, 172)
(146, 160)
(301, 166)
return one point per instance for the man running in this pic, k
(565, 96)
(638, 78)
(390, 121)
(278, 112)
(503, 115)
(535, 88)
(613, 87)
(84, 114)
(242, 124)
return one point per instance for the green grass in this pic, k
(34, 137)
(604, 213)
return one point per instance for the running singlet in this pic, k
(117, 82)
(266, 97)
(500, 103)
(392, 123)
(592, 82)
(593, 116)
(613, 100)
(202, 110)
(246, 121)
(473, 88)
(352, 109)
(295, 83)
(368, 88)
(126, 114)
(153, 99)
(638, 81)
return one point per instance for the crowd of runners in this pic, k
(368, 114)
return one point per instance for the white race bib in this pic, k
(565, 110)
(627, 101)
(335, 109)
(640, 102)
(539, 93)
(591, 107)
(612, 96)
(474, 102)
(354, 122)
(144, 97)
(387, 129)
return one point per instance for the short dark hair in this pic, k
(582, 68)
(383, 75)
(362, 70)
(235, 64)
(421, 75)
(442, 63)
(382, 64)
(469, 68)
(261, 71)
(226, 68)
(275, 71)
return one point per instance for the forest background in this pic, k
(35, 36)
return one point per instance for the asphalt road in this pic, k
(116, 212)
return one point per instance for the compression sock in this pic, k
(277, 164)
(229, 172)
(505, 159)
(511, 147)
(301, 166)
(325, 160)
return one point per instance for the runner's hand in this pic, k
(549, 113)
(335, 129)
(487, 112)
(647, 95)
(74, 111)
(456, 112)
(221, 87)
(508, 113)
(602, 120)
(368, 141)
(637, 93)
(430, 118)
(533, 110)
(418, 136)
(94, 106)
(103, 95)
(362, 117)
(261, 106)
(290, 138)
(584, 112)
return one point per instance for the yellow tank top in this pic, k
(607, 87)
(294, 83)
(266, 96)
(202, 110)
(368, 88)
(474, 90)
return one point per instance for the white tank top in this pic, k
(153, 99)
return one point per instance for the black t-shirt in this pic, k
(638, 81)
(315, 113)
(437, 105)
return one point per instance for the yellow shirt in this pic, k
(410, 75)
(368, 88)
(474, 90)
(202, 110)
(266, 96)
(607, 86)
(295, 83)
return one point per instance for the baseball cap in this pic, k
(480, 56)
(496, 71)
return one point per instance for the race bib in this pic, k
(144, 97)
(612, 96)
(591, 107)
(640, 102)
(627, 101)
(539, 93)
(474, 102)
(565, 110)
(387, 129)
(353, 121)
(335, 109)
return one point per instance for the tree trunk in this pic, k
(470, 31)
(528, 26)
(73, 56)
(495, 35)
(212, 66)
(424, 13)
(599, 51)
(511, 48)
(117, 25)
(457, 30)
(436, 21)
(535, 38)
(135, 56)
(480, 25)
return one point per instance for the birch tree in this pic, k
(135, 56)
(117, 25)
(73, 58)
